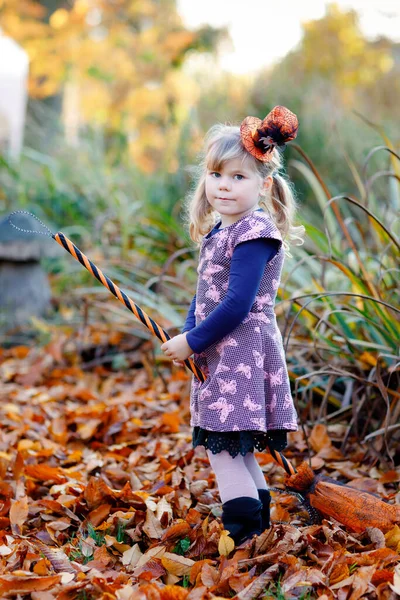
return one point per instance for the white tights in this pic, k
(236, 477)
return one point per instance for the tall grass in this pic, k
(348, 318)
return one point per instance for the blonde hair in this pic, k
(223, 143)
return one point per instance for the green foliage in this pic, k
(353, 568)
(82, 554)
(186, 581)
(120, 535)
(97, 536)
(182, 546)
(78, 555)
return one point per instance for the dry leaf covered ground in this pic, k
(102, 495)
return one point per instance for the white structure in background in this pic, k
(14, 66)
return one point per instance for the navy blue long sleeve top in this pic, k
(248, 263)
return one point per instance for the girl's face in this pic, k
(234, 190)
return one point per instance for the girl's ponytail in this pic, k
(199, 213)
(284, 206)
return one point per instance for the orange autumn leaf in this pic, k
(176, 564)
(172, 421)
(209, 575)
(101, 557)
(392, 538)
(361, 580)
(179, 530)
(319, 438)
(18, 466)
(279, 513)
(382, 576)
(152, 569)
(45, 472)
(88, 429)
(27, 584)
(3, 467)
(18, 514)
(317, 462)
(390, 476)
(339, 572)
(173, 592)
(41, 567)
(150, 591)
(85, 394)
(99, 514)
(20, 351)
(197, 568)
(165, 489)
(58, 428)
(96, 492)
(379, 556)
(165, 464)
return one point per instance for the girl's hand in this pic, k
(179, 363)
(177, 348)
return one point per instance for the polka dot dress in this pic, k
(247, 384)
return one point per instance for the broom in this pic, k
(353, 508)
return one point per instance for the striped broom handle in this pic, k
(122, 297)
(147, 321)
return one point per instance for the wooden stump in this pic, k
(24, 292)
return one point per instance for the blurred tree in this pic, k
(224, 97)
(334, 48)
(382, 95)
(119, 63)
(331, 72)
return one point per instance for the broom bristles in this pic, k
(353, 508)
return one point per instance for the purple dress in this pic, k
(247, 384)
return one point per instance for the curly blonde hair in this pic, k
(223, 143)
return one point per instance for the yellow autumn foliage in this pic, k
(121, 58)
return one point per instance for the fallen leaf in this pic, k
(173, 592)
(152, 526)
(319, 438)
(176, 564)
(18, 514)
(396, 581)
(179, 530)
(45, 472)
(28, 583)
(226, 544)
(131, 557)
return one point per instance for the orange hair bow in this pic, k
(261, 137)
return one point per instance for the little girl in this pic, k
(245, 402)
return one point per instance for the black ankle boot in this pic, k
(265, 498)
(242, 518)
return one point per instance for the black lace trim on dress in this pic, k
(239, 442)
